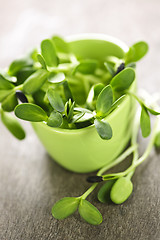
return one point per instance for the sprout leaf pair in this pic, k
(68, 205)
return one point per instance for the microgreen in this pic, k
(67, 91)
(123, 80)
(104, 101)
(116, 103)
(85, 117)
(23, 74)
(55, 100)
(77, 116)
(157, 140)
(41, 61)
(19, 64)
(69, 110)
(48, 51)
(104, 192)
(60, 89)
(55, 119)
(5, 84)
(145, 122)
(56, 78)
(136, 52)
(109, 68)
(9, 103)
(145, 118)
(86, 67)
(89, 212)
(35, 81)
(30, 112)
(12, 125)
(121, 190)
(93, 94)
(103, 128)
(4, 94)
(61, 44)
(65, 207)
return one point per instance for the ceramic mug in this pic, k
(82, 150)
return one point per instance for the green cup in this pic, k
(82, 150)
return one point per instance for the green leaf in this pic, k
(30, 112)
(104, 129)
(109, 68)
(83, 110)
(65, 207)
(7, 77)
(132, 65)
(67, 91)
(104, 192)
(12, 125)
(66, 108)
(23, 74)
(33, 54)
(152, 111)
(104, 101)
(86, 67)
(85, 117)
(48, 51)
(145, 122)
(4, 94)
(121, 190)
(56, 78)
(5, 84)
(55, 119)
(35, 81)
(10, 102)
(136, 52)
(61, 45)
(55, 100)
(93, 94)
(89, 212)
(116, 103)
(17, 65)
(71, 109)
(157, 140)
(39, 99)
(123, 79)
(77, 116)
(41, 61)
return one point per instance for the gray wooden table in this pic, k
(30, 181)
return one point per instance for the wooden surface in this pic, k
(30, 181)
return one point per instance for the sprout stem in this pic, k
(108, 166)
(141, 159)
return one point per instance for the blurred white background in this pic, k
(23, 24)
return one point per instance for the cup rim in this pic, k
(91, 36)
(97, 36)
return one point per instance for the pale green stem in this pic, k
(105, 168)
(20, 87)
(141, 159)
(85, 195)
(134, 140)
(118, 160)
(73, 59)
(64, 67)
(132, 148)
(135, 96)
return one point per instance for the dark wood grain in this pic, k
(30, 181)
